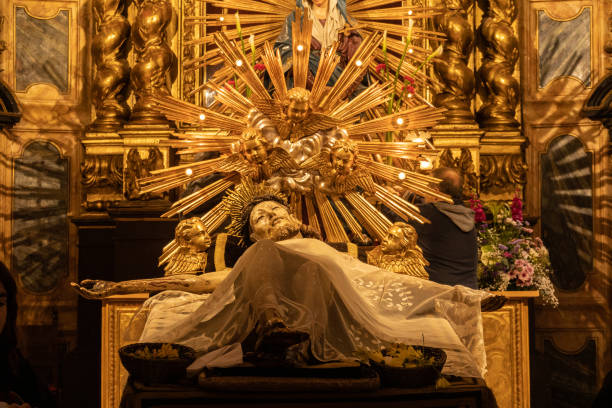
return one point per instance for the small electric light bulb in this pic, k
(399, 121)
(221, 18)
(417, 140)
(358, 63)
(410, 50)
(409, 95)
(188, 172)
(401, 175)
(409, 12)
(425, 165)
(300, 47)
(202, 116)
(239, 63)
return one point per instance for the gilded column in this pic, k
(152, 72)
(452, 67)
(502, 165)
(110, 48)
(497, 86)
(458, 137)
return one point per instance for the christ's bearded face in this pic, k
(271, 220)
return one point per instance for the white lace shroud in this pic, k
(344, 304)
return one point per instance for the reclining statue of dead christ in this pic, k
(294, 290)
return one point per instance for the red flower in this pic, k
(517, 209)
(381, 67)
(409, 79)
(259, 67)
(476, 206)
(231, 82)
(408, 88)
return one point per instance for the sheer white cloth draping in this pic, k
(344, 304)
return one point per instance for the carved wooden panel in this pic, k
(116, 314)
(506, 337)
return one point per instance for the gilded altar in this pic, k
(506, 336)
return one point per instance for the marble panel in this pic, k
(567, 210)
(564, 380)
(41, 50)
(39, 217)
(564, 48)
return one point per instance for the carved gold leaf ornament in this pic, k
(298, 126)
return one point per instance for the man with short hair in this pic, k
(449, 242)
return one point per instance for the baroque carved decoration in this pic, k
(451, 67)
(498, 89)
(189, 52)
(151, 75)
(502, 171)
(136, 167)
(102, 171)
(465, 164)
(110, 48)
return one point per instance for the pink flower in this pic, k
(259, 67)
(409, 79)
(381, 67)
(507, 254)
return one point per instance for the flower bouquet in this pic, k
(511, 258)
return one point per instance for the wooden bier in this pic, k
(506, 337)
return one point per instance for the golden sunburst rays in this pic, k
(401, 150)
(264, 20)
(417, 183)
(274, 66)
(189, 203)
(371, 97)
(369, 216)
(334, 230)
(328, 61)
(355, 68)
(230, 97)
(175, 109)
(302, 36)
(419, 117)
(240, 64)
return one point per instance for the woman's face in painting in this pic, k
(319, 3)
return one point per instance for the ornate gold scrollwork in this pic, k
(110, 48)
(502, 171)
(137, 167)
(189, 52)
(151, 75)
(101, 171)
(498, 88)
(465, 164)
(452, 67)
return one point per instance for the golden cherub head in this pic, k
(254, 146)
(192, 234)
(342, 156)
(400, 238)
(298, 104)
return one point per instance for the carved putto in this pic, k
(193, 241)
(400, 253)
